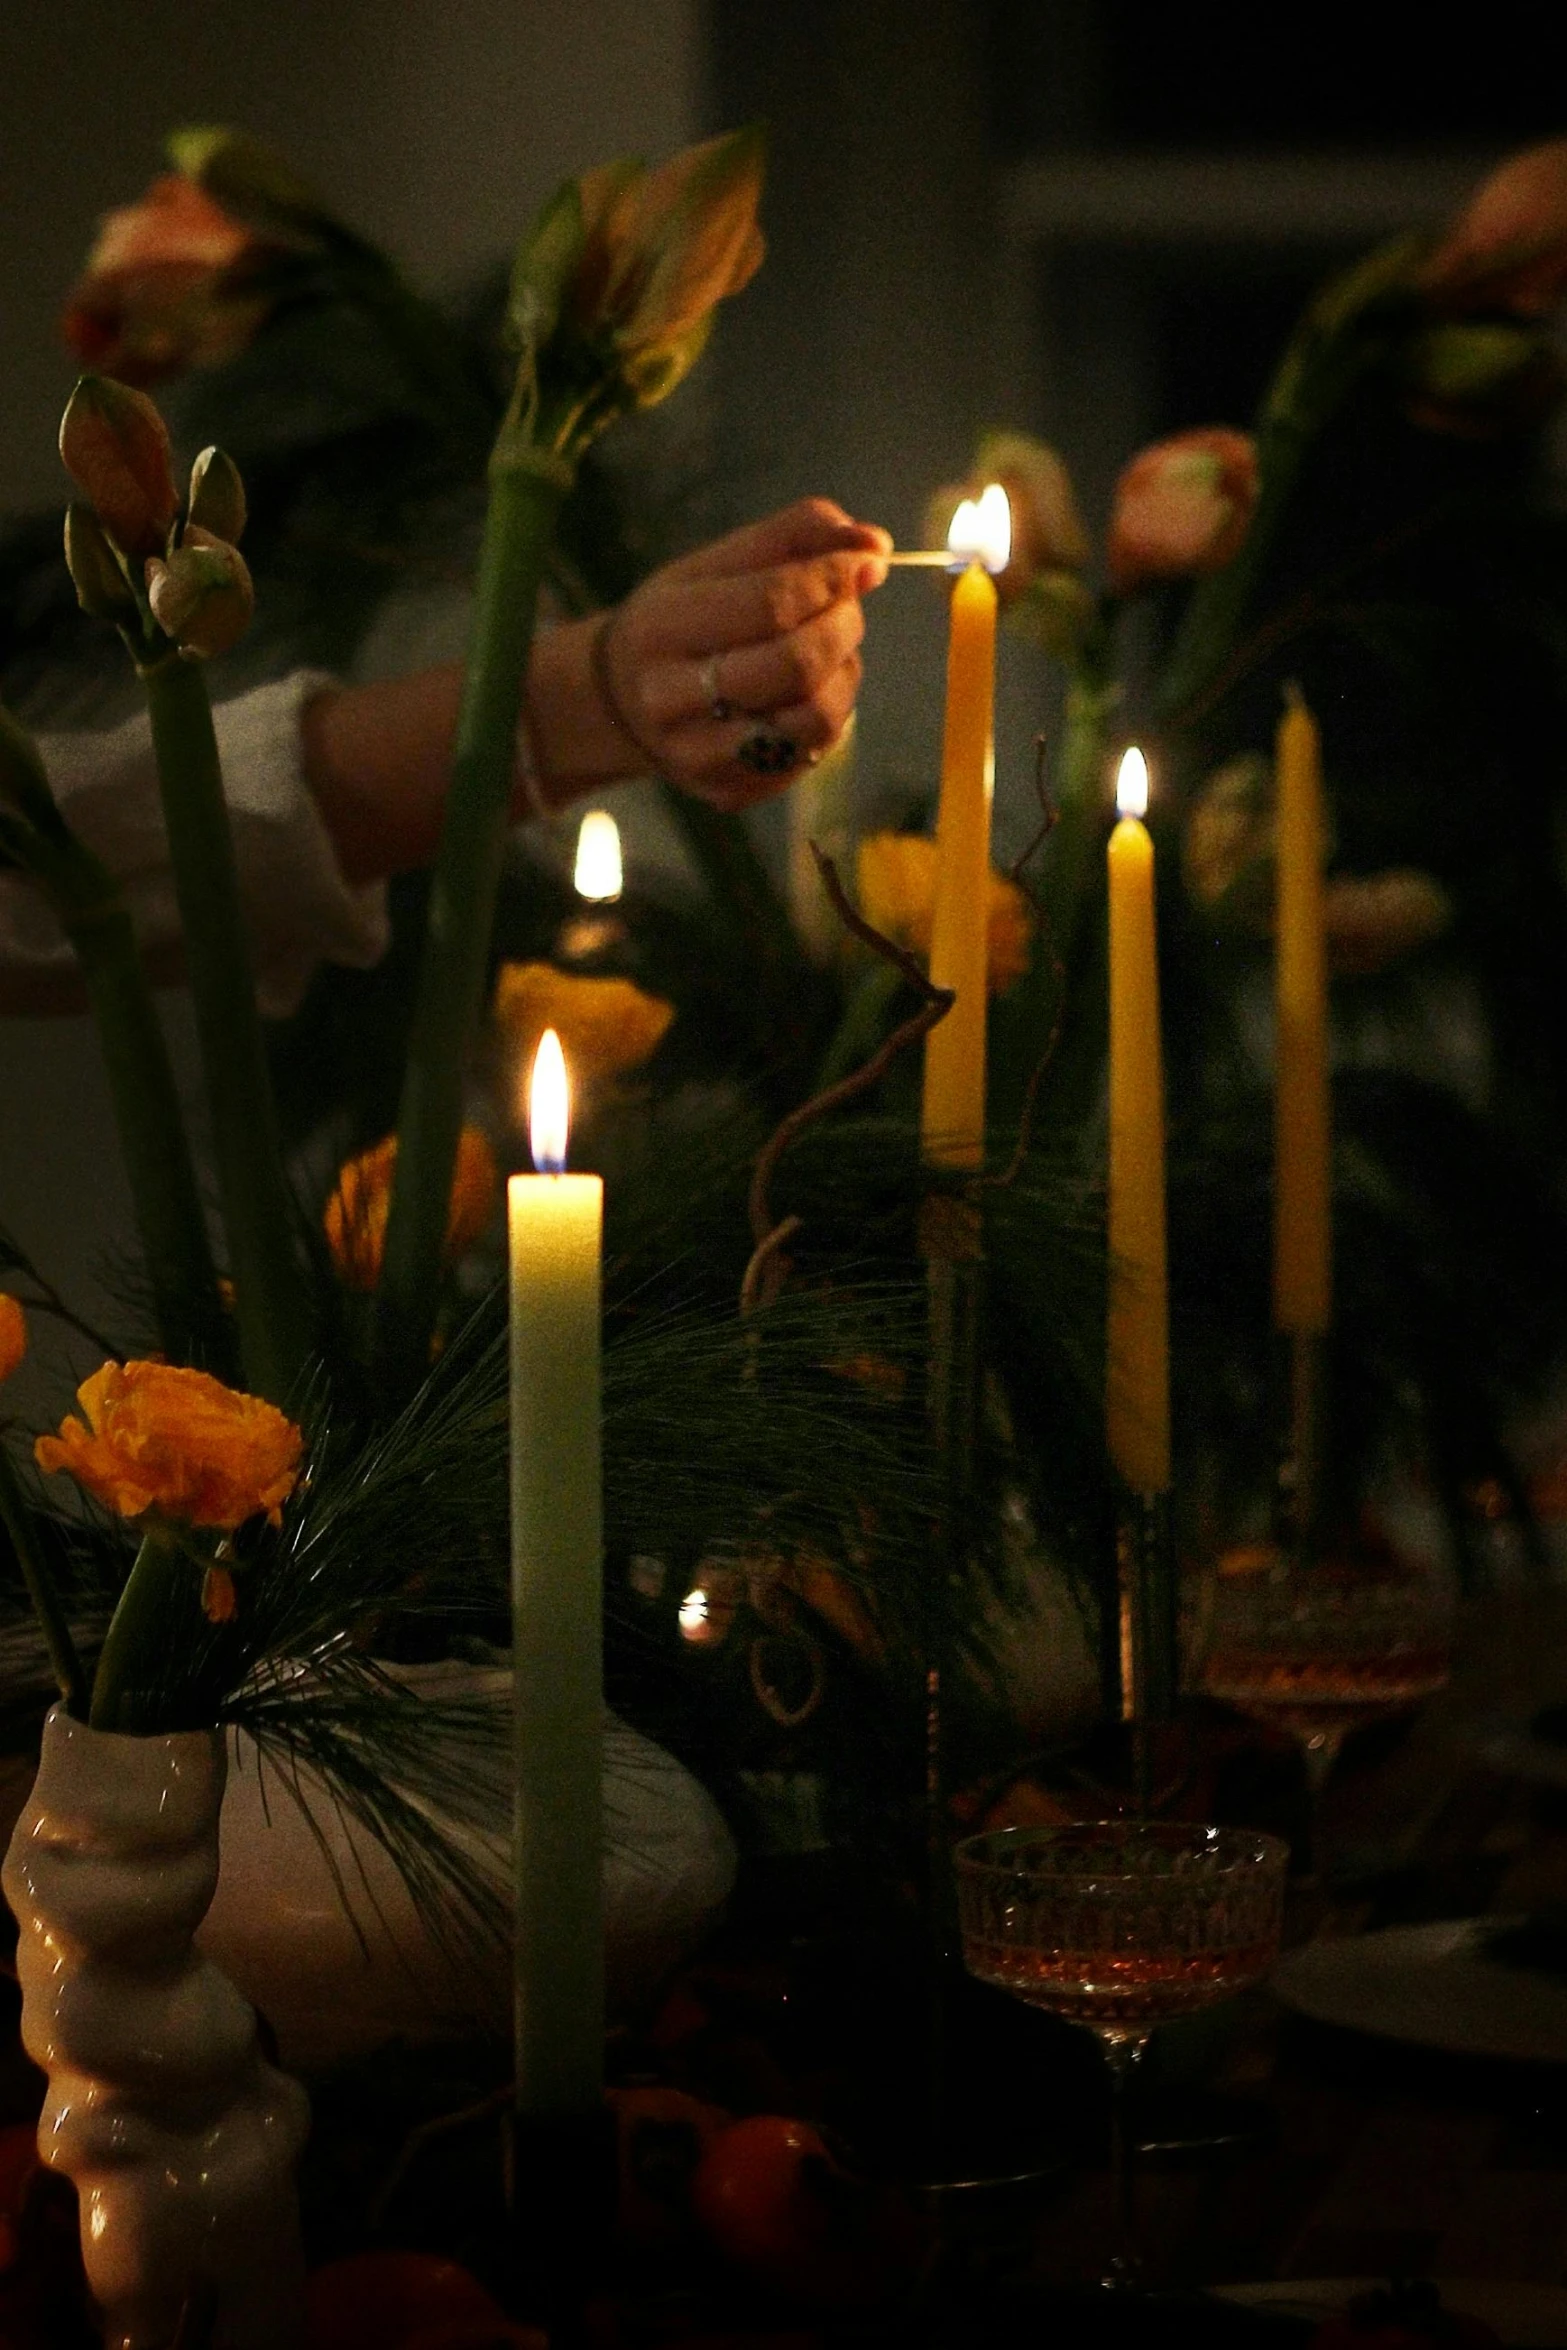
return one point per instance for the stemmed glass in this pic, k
(1121, 1925)
(1320, 1650)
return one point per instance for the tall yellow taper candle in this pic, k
(555, 1223)
(1302, 1183)
(1137, 1338)
(952, 1120)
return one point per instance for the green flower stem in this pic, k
(63, 1659)
(140, 1627)
(519, 526)
(272, 1307)
(192, 1326)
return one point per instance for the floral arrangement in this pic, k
(308, 1474)
(721, 1018)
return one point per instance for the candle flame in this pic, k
(981, 530)
(549, 1106)
(694, 1616)
(599, 874)
(1131, 784)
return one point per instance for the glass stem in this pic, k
(1123, 2054)
(1319, 1753)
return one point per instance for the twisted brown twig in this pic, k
(767, 1270)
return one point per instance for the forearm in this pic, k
(377, 757)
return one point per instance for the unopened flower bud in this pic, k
(201, 595)
(1182, 508)
(96, 574)
(115, 447)
(217, 497)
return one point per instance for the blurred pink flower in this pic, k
(169, 284)
(1182, 507)
(1507, 250)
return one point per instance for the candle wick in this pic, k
(1294, 697)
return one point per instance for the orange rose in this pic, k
(356, 1214)
(13, 1334)
(171, 283)
(1507, 250)
(1182, 508)
(177, 1443)
(895, 880)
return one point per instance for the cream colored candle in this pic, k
(952, 1121)
(555, 1224)
(1137, 1339)
(1303, 1140)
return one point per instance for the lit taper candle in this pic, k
(952, 1122)
(555, 1224)
(1137, 1344)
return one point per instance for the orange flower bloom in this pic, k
(178, 1443)
(357, 1212)
(895, 878)
(662, 248)
(1182, 507)
(170, 284)
(606, 1026)
(13, 1334)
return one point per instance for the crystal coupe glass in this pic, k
(1120, 1926)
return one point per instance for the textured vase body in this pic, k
(180, 2139)
(314, 1922)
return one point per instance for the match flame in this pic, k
(599, 874)
(1131, 784)
(981, 530)
(549, 1106)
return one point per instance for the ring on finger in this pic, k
(768, 752)
(719, 705)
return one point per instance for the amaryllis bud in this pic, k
(1182, 508)
(101, 585)
(659, 250)
(1507, 250)
(202, 594)
(217, 497)
(116, 449)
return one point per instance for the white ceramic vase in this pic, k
(314, 1923)
(180, 2138)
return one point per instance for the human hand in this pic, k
(738, 665)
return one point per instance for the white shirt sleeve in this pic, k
(299, 911)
